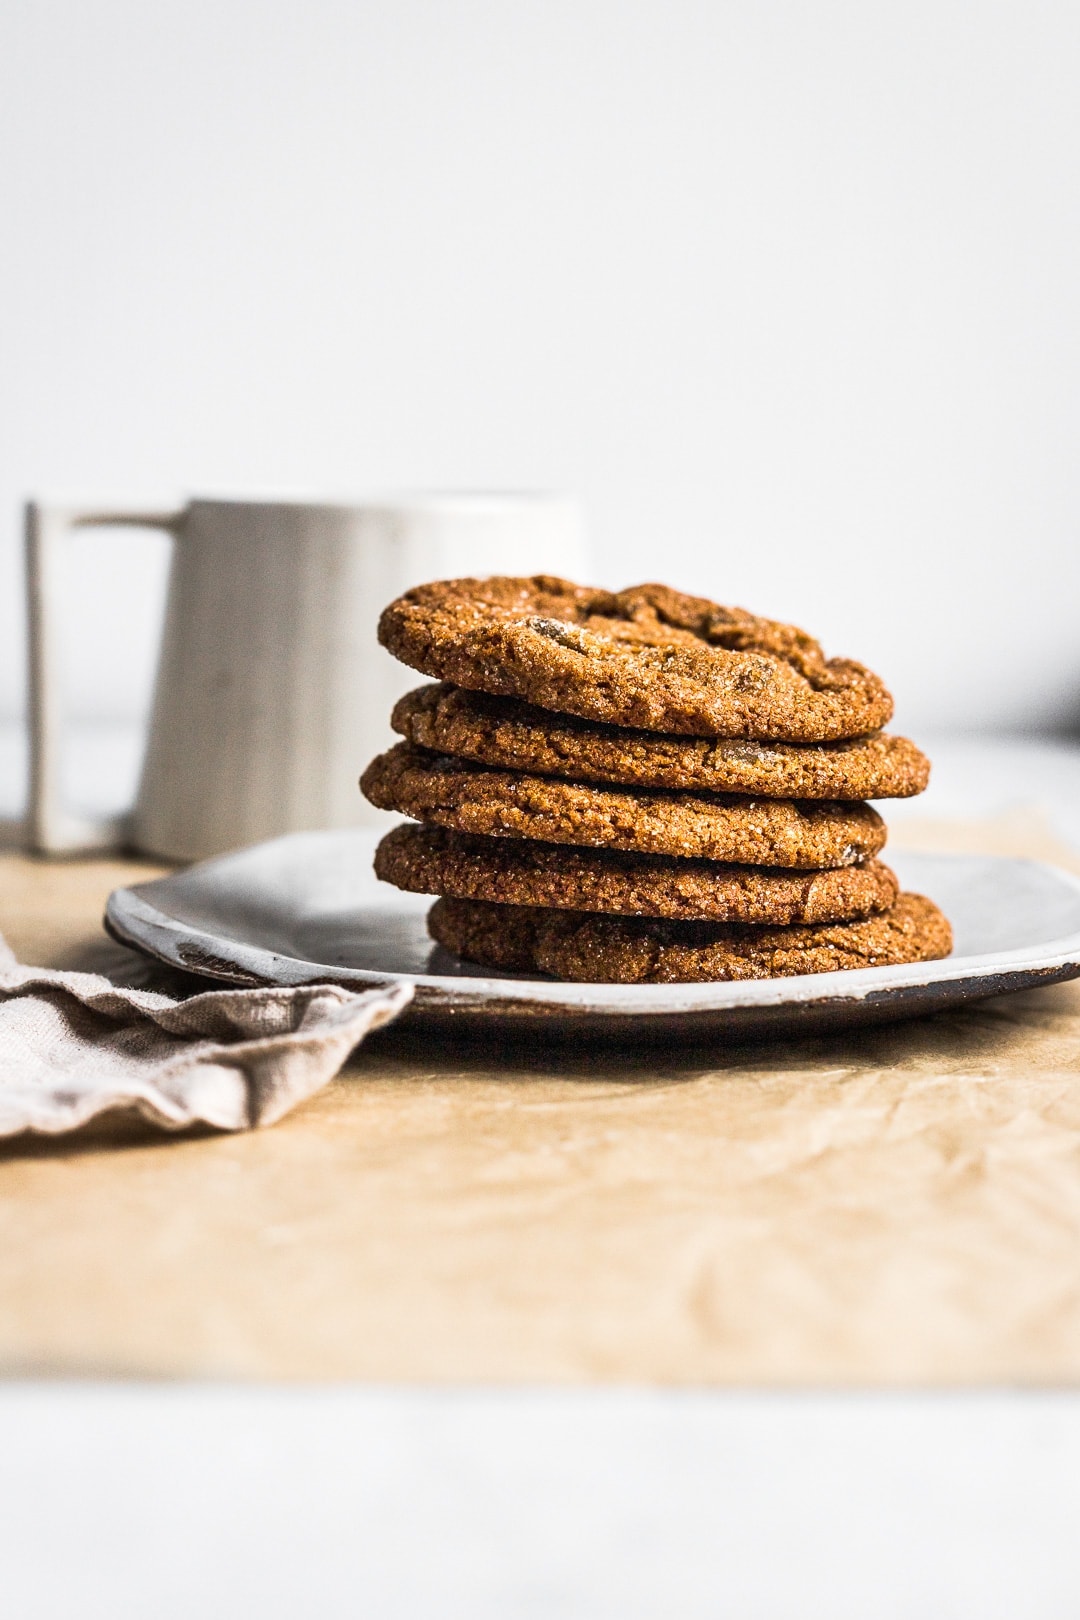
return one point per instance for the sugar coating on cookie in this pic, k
(649, 657)
(512, 735)
(503, 804)
(585, 948)
(510, 871)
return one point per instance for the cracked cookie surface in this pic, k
(585, 948)
(511, 735)
(504, 804)
(648, 657)
(509, 871)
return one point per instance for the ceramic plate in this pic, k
(308, 907)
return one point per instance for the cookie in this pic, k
(637, 950)
(648, 657)
(515, 736)
(503, 804)
(509, 871)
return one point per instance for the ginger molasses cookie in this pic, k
(510, 871)
(505, 804)
(515, 736)
(647, 657)
(640, 950)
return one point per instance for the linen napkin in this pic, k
(73, 1045)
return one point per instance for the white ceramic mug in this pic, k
(272, 692)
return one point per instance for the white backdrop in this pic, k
(787, 291)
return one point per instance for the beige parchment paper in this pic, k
(895, 1206)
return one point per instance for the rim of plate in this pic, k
(139, 923)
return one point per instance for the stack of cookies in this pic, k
(642, 787)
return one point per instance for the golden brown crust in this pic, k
(630, 950)
(512, 735)
(509, 871)
(503, 804)
(648, 657)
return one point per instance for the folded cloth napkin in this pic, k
(74, 1044)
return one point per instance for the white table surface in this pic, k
(602, 1505)
(163, 1501)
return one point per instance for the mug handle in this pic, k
(53, 830)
